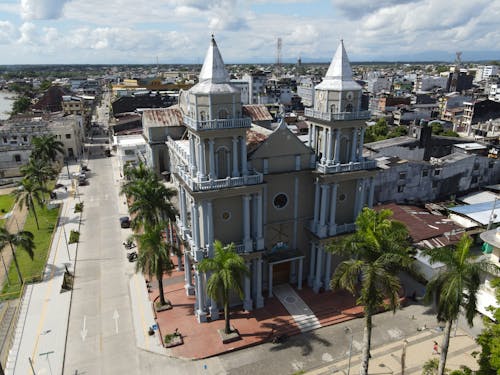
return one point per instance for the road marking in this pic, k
(84, 330)
(116, 316)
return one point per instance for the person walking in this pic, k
(435, 348)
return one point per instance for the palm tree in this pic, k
(22, 239)
(47, 147)
(228, 269)
(154, 256)
(151, 200)
(455, 287)
(38, 170)
(379, 249)
(27, 193)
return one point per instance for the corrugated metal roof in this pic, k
(257, 112)
(171, 116)
(422, 225)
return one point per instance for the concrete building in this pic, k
(256, 84)
(487, 293)
(130, 149)
(277, 199)
(427, 83)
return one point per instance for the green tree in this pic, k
(377, 132)
(27, 193)
(430, 367)
(38, 170)
(21, 105)
(397, 131)
(45, 85)
(489, 339)
(227, 270)
(154, 256)
(22, 239)
(456, 287)
(47, 147)
(378, 251)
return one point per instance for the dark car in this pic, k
(125, 222)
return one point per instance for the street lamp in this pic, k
(348, 330)
(66, 239)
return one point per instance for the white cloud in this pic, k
(8, 32)
(28, 33)
(42, 9)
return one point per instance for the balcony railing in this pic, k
(229, 123)
(253, 178)
(328, 116)
(349, 167)
(181, 153)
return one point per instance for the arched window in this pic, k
(203, 115)
(348, 107)
(223, 114)
(222, 163)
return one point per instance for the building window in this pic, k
(226, 215)
(68, 136)
(17, 158)
(402, 175)
(129, 152)
(434, 184)
(342, 197)
(437, 172)
(5, 140)
(401, 188)
(203, 115)
(473, 180)
(490, 164)
(425, 173)
(222, 114)
(25, 138)
(280, 200)
(348, 107)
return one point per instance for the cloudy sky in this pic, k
(140, 31)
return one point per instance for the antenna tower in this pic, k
(278, 53)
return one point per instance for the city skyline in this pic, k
(178, 31)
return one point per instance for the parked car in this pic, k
(125, 222)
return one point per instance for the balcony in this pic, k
(349, 167)
(217, 123)
(180, 152)
(340, 116)
(195, 184)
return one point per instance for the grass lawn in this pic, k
(32, 269)
(6, 204)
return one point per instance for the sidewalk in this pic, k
(40, 336)
(387, 359)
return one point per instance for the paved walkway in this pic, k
(297, 308)
(40, 337)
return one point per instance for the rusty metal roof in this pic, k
(254, 139)
(171, 116)
(424, 225)
(257, 112)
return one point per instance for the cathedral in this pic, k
(279, 200)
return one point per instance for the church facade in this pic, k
(280, 201)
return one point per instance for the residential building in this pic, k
(487, 293)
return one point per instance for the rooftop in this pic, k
(159, 117)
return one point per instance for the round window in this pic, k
(280, 200)
(342, 197)
(226, 215)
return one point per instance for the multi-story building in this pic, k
(487, 294)
(280, 201)
(256, 84)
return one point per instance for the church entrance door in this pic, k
(281, 273)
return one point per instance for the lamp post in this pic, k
(348, 330)
(66, 240)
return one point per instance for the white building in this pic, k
(486, 296)
(130, 149)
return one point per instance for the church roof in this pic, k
(213, 75)
(339, 74)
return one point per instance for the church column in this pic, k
(236, 172)
(309, 136)
(328, 270)
(319, 269)
(211, 152)
(187, 275)
(337, 146)
(325, 145)
(201, 314)
(192, 155)
(312, 265)
(260, 238)
(210, 229)
(195, 227)
(316, 206)
(182, 199)
(210, 114)
(361, 142)
(363, 194)
(333, 209)
(247, 302)
(244, 166)
(203, 166)
(330, 145)
(371, 193)
(247, 241)
(259, 300)
(234, 105)
(270, 280)
(354, 147)
(322, 217)
(299, 277)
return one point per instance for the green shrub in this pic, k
(74, 236)
(79, 207)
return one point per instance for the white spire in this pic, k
(339, 74)
(213, 67)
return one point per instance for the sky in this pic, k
(178, 31)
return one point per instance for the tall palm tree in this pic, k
(27, 193)
(378, 250)
(22, 239)
(39, 170)
(455, 287)
(47, 147)
(228, 269)
(154, 256)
